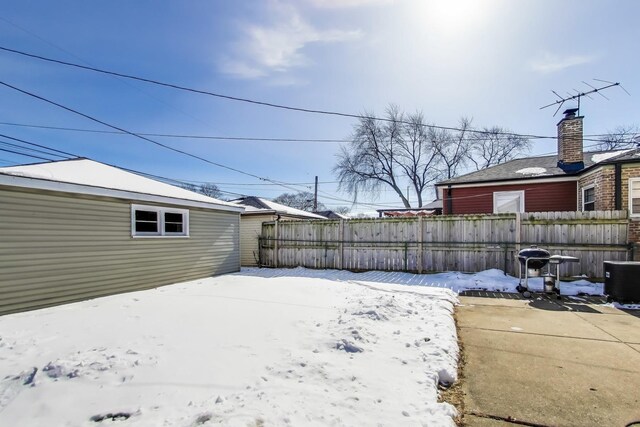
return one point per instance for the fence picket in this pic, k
(442, 243)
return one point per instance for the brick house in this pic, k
(571, 180)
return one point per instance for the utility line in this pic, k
(134, 134)
(124, 82)
(35, 150)
(228, 138)
(41, 146)
(165, 135)
(24, 154)
(262, 103)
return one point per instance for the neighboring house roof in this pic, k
(257, 205)
(85, 176)
(436, 204)
(407, 212)
(431, 208)
(541, 167)
(331, 214)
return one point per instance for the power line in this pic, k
(256, 102)
(41, 146)
(24, 154)
(128, 132)
(284, 185)
(31, 33)
(165, 135)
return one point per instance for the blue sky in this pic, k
(495, 61)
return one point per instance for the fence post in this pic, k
(420, 246)
(518, 239)
(341, 240)
(275, 245)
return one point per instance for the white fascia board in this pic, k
(511, 182)
(64, 187)
(264, 212)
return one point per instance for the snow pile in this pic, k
(625, 306)
(235, 350)
(493, 280)
(532, 171)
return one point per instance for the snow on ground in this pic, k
(488, 280)
(256, 348)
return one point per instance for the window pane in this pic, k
(146, 216)
(635, 206)
(146, 227)
(590, 206)
(173, 217)
(507, 202)
(589, 195)
(172, 227)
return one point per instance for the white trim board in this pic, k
(43, 184)
(510, 182)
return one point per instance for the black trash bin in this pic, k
(622, 281)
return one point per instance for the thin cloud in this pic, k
(551, 63)
(264, 50)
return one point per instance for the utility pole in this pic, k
(408, 193)
(315, 197)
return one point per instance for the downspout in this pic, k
(618, 186)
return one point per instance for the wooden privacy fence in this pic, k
(468, 243)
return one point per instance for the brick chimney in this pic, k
(570, 142)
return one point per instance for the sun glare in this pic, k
(454, 15)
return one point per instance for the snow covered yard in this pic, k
(254, 348)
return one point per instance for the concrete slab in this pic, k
(474, 421)
(545, 320)
(517, 303)
(623, 326)
(550, 380)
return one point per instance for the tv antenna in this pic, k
(578, 94)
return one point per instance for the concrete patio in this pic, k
(544, 362)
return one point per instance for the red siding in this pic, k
(542, 197)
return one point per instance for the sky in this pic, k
(495, 61)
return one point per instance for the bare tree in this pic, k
(302, 200)
(189, 186)
(495, 145)
(342, 210)
(452, 147)
(626, 136)
(403, 149)
(371, 159)
(417, 156)
(208, 189)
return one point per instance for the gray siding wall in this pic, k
(57, 248)
(250, 229)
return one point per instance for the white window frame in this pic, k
(519, 193)
(161, 231)
(631, 212)
(585, 188)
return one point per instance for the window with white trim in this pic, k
(588, 198)
(156, 221)
(508, 201)
(634, 196)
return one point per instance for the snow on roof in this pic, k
(601, 157)
(277, 207)
(89, 173)
(532, 171)
(289, 210)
